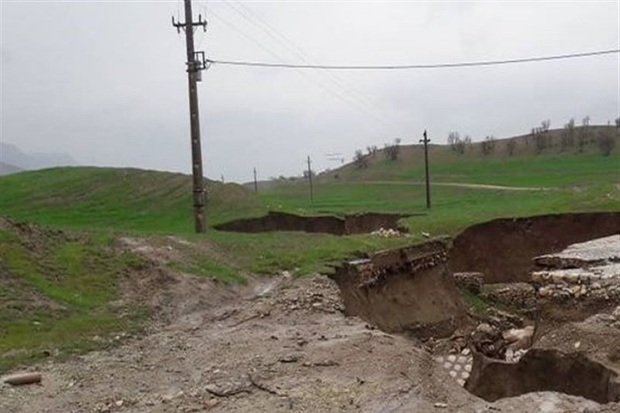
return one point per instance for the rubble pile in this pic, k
(589, 270)
(320, 295)
(387, 233)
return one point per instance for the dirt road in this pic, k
(465, 185)
(278, 345)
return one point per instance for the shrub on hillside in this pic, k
(511, 145)
(606, 142)
(392, 150)
(488, 145)
(359, 160)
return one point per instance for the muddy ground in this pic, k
(289, 345)
(282, 345)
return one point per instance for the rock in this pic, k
(289, 358)
(440, 405)
(557, 278)
(486, 329)
(616, 313)
(19, 379)
(211, 403)
(521, 336)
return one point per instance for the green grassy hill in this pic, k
(554, 179)
(526, 166)
(127, 199)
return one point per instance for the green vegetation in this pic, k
(55, 293)
(57, 284)
(125, 199)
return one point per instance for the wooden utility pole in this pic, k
(255, 182)
(428, 183)
(195, 63)
(310, 180)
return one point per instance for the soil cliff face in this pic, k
(503, 249)
(403, 290)
(350, 224)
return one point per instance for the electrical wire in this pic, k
(336, 93)
(412, 66)
(351, 92)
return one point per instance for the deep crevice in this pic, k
(329, 224)
(543, 370)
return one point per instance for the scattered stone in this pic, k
(289, 358)
(211, 403)
(20, 379)
(439, 405)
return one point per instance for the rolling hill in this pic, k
(129, 199)
(529, 164)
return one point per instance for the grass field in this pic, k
(54, 294)
(77, 272)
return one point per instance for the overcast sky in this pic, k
(105, 81)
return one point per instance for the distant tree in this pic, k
(606, 142)
(618, 122)
(456, 143)
(568, 134)
(545, 124)
(453, 139)
(467, 141)
(511, 145)
(586, 121)
(372, 150)
(540, 139)
(360, 160)
(488, 145)
(392, 150)
(584, 133)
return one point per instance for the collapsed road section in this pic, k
(535, 310)
(403, 290)
(503, 249)
(329, 224)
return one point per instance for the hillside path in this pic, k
(465, 185)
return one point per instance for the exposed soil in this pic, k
(312, 344)
(404, 290)
(581, 359)
(279, 346)
(503, 249)
(544, 370)
(329, 224)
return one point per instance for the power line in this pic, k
(288, 44)
(346, 94)
(339, 94)
(413, 66)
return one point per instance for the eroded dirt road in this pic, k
(279, 345)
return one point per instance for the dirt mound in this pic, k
(329, 224)
(503, 249)
(403, 290)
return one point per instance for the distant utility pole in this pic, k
(310, 180)
(428, 184)
(255, 182)
(195, 63)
